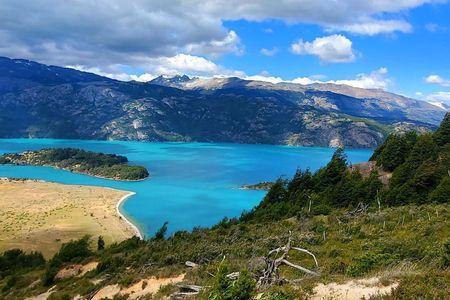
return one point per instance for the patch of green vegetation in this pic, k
(77, 160)
(71, 252)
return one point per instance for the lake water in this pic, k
(190, 184)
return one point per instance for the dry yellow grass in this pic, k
(40, 216)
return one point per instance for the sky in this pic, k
(397, 45)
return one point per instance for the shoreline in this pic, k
(130, 224)
(127, 221)
(84, 173)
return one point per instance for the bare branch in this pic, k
(299, 267)
(308, 252)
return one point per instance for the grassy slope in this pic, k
(402, 243)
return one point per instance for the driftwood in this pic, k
(270, 274)
(189, 288)
(191, 264)
(233, 276)
(360, 209)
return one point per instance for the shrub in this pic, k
(73, 251)
(224, 288)
(432, 285)
(100, 243)
(159, 235)
(13, 260)
(446, 255)
(368, 262)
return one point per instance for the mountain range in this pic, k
(43, 101)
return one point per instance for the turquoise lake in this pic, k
(190, 184)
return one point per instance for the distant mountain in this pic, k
(176, 81)
(45, 101)
(370, 102)
(18, 74)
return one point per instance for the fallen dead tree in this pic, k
(360, 209)
(270, 274)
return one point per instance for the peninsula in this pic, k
(41, 216)
(80, 161)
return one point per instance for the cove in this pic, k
(190, 184)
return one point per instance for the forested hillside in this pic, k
(420, 167)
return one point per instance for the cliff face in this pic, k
(41, 101)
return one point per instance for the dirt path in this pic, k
(354, 289)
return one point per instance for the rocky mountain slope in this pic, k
(44, 101)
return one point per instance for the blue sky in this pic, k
(409, 57)
(397, 45)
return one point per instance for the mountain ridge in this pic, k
(53, 102)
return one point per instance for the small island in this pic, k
(80, 161)
(262, 186)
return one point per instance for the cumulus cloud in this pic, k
(269, 52)
(334, 48)
(105, 33)
(175, 65)
(377, 79)
(265, 77)
(436, 79)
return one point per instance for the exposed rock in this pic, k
(69, 271)
(144, 287)
(366, 168)
(75, 270)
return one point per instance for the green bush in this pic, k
(282, 293)
(432, 285)
(442, 192)
(224, 288)
(73, 251)
(14, 260)
(446, 255)
(368, 262)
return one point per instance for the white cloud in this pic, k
(175, 65)
(266, 78)
(377, 79)
(374, 80)
(185, 64)
(117, 75)
(231, 43)
(304, 80)
(439, 96)
(374, 27)
(332, 49)
(440, 99)
(135, 33)
(431, 27)
(436, 79)
(269, 52)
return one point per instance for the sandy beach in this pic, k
(136, 230)
(40, 216)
